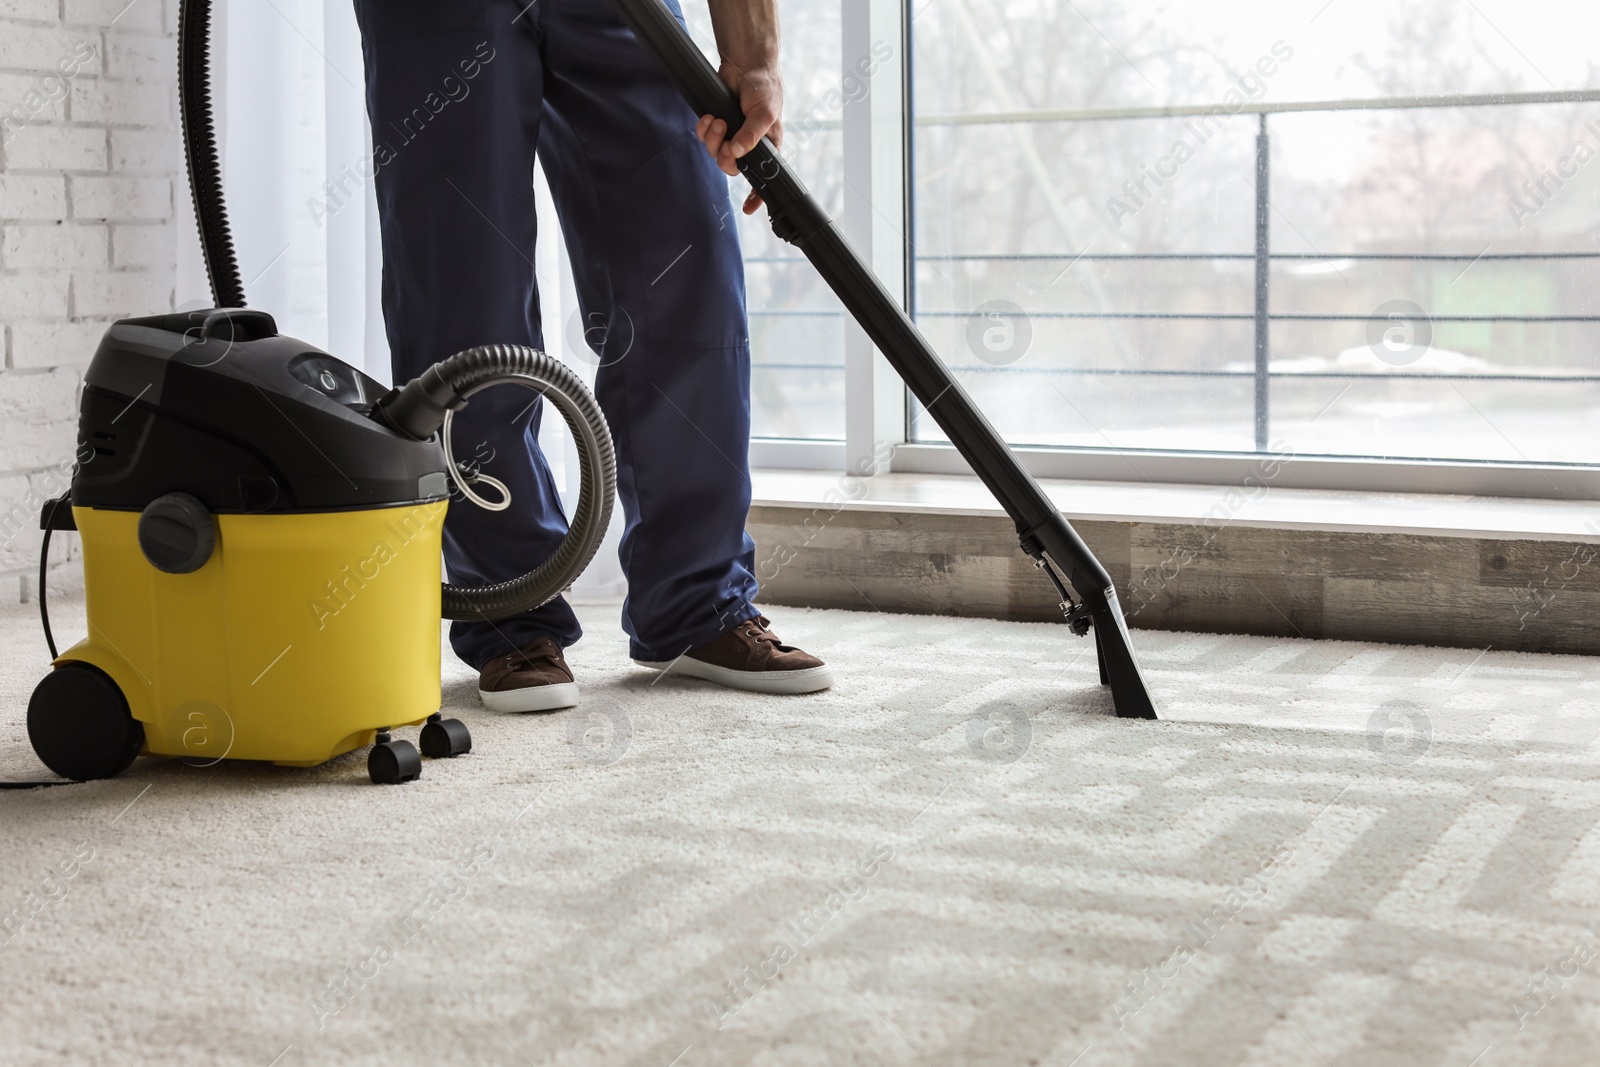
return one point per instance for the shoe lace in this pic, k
(759, 629)
(536, 657)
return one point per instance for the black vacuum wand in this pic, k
(1045, 534)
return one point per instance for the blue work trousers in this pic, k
(463, 96)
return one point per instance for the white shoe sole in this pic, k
(809, 680)
(532, 698)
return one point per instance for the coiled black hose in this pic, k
(200, 151)
(418, 410)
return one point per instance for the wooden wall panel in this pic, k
(1402, 588)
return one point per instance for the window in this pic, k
(1245, 226)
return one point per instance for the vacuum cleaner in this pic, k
(1044, 533)
(261, 521)
(261, 527)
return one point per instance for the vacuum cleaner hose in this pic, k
(418, 410)
(200, 148)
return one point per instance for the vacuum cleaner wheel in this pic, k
(445, 738)
(80, 725)
(392, 762)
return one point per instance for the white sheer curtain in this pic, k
(296, 162)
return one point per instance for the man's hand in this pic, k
(747, 38)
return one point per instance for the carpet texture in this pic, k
(1327, 853)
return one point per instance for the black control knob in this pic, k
(176, 533)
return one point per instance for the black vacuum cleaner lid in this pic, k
(219, 405)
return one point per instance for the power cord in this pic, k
(44, 618)
(44, 565)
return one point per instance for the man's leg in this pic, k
(454, 95)
(651, 234)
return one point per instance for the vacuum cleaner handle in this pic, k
(795, 216)
(1044, 532)
(655, 25)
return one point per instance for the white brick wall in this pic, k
(90, 161)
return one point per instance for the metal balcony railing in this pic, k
(1262, 316)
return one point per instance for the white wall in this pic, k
(89, 189)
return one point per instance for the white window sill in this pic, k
(1423, 514)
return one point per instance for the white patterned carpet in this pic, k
(1328, 853)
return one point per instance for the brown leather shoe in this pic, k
(533, 678)
(751, 657)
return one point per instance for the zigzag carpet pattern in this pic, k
(1327, 853)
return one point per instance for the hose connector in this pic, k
(418, 408)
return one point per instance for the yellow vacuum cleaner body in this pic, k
(261, 556)
(298, 638)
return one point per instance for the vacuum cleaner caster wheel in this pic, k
(392, 762)
(445, 738)
(80, 725)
